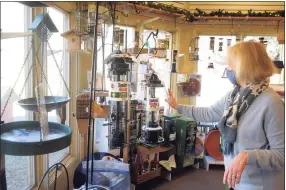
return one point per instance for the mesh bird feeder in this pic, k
(44, 27)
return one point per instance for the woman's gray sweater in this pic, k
(260, 133)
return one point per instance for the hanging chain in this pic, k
(59, 69)
(42, 58)
(26, 80)
(14, 85)
(38, 93)
(59, 112)
(46, 79)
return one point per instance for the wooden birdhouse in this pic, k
(74, 41)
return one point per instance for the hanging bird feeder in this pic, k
(52, 103)
(152, 129)
(26, 138)
(44, 27)
(194, 49)
(190, 88)
(220, 44)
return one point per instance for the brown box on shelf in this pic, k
(150, 155)
(148, 176)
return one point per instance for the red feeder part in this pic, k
(212, 144)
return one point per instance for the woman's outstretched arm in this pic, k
(205, 114)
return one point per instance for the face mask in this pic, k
(231, 76)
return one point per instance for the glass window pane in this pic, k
(212, 81)
(274, 52)
(56, 85)
(19, 169)
(21, 177)
(11, 20)
(19, 173)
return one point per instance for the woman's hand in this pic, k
(233, 173)
(171, 100)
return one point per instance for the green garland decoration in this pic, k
(191, 17)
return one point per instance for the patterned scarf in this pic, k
(238, 103)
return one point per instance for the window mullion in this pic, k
(39, 161)
(29, 89)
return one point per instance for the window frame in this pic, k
(281, 57)
(66, 75)
(72, 158)
(29, 86)
(69, 158)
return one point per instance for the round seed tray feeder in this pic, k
(52, 102)
(23, 138)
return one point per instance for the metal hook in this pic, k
(125, 15)
(136, 10)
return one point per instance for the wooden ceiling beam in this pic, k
(65, 6)
(241, 3)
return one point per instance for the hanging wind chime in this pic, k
(220, 44)
(212, 42)
(228, 42)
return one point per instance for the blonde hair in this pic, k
(254, 64)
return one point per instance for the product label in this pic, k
(140, 107)
(119, 86)
(161, 112)
(153, 104)
(119, 91)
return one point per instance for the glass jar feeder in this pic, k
(194, 49)
(152, 127)
(119, 95)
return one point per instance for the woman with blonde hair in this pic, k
(250, 119)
